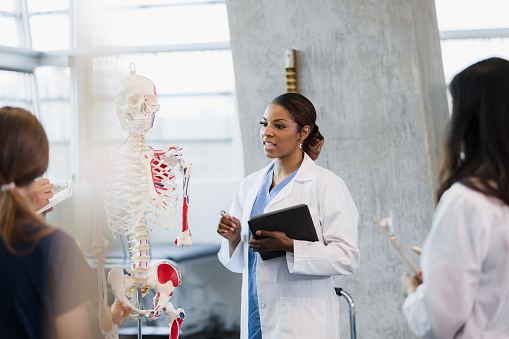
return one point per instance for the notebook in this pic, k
(294, 221)
(61, 192)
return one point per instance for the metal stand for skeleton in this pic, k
(138, 292)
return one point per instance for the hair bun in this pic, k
(313, 143)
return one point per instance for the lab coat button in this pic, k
(262, 305)
(262, 263)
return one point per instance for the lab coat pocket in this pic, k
(302, 318)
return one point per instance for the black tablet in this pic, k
(294, 221)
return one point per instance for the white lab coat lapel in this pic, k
(251, 197)
(304, 174)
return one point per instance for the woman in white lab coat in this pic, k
(291, 296)
(465, 258)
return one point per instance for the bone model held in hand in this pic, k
(141, 191)
(387, 228)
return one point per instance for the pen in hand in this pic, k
(225, 214)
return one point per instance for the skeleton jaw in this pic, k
(138, 126)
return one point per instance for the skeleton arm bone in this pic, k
(96, 171)
(184, 238)
(100, 245)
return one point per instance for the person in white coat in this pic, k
(291, 296)
(465, 258)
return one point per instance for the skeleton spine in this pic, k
(140, 252)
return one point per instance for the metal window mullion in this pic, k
(72, 25)
(35, 96)
(81, 68)
(475, 34)
(81, 81)
(25, 17)
(166, 5)
(18, 19)
(60, 11)
(8, 14)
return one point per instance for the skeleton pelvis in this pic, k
(164, 278)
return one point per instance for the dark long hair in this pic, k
(477, 142)
(24, 154)
(303, 112)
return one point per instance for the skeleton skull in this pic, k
(136, 102)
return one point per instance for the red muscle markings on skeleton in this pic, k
(185, 236)
(141, 191)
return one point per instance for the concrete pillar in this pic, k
(373, 70)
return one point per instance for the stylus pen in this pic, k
(226, 215)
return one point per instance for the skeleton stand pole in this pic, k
(139, 294)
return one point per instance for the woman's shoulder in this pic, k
(57, 236)
(326, 176)
(52, 239)
(35, 230)
(462, 196)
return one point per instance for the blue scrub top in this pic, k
(263, 198)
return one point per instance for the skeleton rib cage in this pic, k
(128, 199)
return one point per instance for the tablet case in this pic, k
(294, 221)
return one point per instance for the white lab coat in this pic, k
(465, 267)
(295, 292)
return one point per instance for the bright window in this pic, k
(38, 6)
(55, 114)
(9, 24)
(50, 31)
(16, 90)
(180, 45)
(120, 24)
(471, 14)
(457, 54)
(471, 31)
(182, 50)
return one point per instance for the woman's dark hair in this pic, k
(24, 154)
(477, 141)
(303, 112)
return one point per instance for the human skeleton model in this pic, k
(140, 192)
